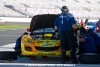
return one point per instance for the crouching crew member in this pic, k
(96, 39)
(87, 43)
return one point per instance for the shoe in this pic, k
(75, 62)
(63, 61)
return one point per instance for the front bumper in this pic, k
(41, 52)
(41, 48)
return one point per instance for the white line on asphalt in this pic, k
(36, 64)
(2, 30)
(10, 35)
(13, 29)
(8, 47)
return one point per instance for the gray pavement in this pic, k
(8, 36)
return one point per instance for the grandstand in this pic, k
(28, 8)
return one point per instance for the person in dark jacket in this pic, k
(96, 38)
(87, 43)
(65, 23)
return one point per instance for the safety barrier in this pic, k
(28, 20)
(11, 19)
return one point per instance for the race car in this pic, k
(41, 39)
(98, 27)
(94, 25)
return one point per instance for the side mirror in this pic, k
(28, 29)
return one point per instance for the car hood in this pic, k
(42, 21)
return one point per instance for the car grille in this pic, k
(47, 49)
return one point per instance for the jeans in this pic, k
(67, 38)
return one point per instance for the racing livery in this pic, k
(41, 40)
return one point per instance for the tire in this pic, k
(8, 55)
(89, 58)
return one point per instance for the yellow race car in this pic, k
(41, 39)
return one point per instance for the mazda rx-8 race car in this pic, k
(41, 40)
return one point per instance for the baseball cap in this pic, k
(64, 8)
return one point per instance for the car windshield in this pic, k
(91, 24)
(44, 30)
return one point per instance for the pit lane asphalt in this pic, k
(8, 36)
